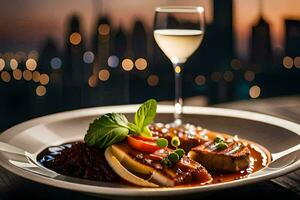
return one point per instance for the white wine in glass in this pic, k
(178, 44)
(178, 31)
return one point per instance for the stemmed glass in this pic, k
(178, 31)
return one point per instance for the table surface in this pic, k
(14, 187)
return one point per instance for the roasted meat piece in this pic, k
(148, 169)
(190, 136)
(232, 157)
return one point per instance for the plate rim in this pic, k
(137, 191)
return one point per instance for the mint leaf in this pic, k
(146, 132)
(145, 115)
(112, 128)
(133, 128)
(109, 129)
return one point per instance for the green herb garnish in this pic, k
(221, 146)
(162, 142)
(109, 129)
(220, 143)
(180, 152)
(175, 142)
(218, 140)
(173, 157)
(112, 128)
(145, 115)
(166, 162)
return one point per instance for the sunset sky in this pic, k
(24, 25)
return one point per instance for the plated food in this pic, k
(146, 154)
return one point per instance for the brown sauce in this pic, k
(78, 160)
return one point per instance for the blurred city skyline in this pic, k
(115, 65)
(27, 24)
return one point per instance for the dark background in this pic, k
(108, 64)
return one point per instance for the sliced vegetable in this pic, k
(129, 163)
(175, 142)
(126, 167)
(166, 162)
(173, 157)
(123, 172)
(180, 152)
(142, 145)
(162, 142)
(149, 139)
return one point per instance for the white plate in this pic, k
(277, 135)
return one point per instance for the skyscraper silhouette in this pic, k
(292, 37)
(48, 51)
(261, 47)
(52, 101)
(220, 49)
(139, 41)
(73, 67)
(223, 33)
(101, 43)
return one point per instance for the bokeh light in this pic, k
(288, 62)
(88, 57)
(140, 64)
(92, 81)
(177, 69)
(249, 75)
(20, 55)
(44, 79)
(228, 76)
(254, 91)
(103, 75)
(216, 76)
(5, 76)
(297, 62)
(2, 64)
(31, 64)
(8, 55)
(17, 74)
(153, 80)
(13, 64)
(127, 64)
(103, 29)
(235, 64)
(33, 54)
(113, 61)
(27, 75)
(200, 80)
(36, 76)
(75, 38)
(55, 63)
(40, 90)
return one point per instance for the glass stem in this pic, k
(178, 70)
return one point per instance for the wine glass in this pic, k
(178, 31)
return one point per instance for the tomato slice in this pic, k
(149, 139)
(143, 144)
